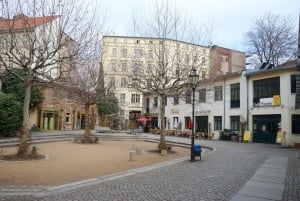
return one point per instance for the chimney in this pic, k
(20, 16)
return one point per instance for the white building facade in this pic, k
(261, 101)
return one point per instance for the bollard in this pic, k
(132, 155)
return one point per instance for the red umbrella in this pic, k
(190, 124)
(143, 119)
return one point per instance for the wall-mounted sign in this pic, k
(276, 100)
(174, 111)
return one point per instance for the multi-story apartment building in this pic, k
(122, 55)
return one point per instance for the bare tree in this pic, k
(44, 38)
(167, 75)
(86, 83)
(272, 38)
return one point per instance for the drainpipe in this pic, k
(247, 104)
(224, 103)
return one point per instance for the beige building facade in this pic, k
(62, 109)
(122, 55)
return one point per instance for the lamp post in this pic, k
(193, 79)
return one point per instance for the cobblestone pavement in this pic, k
(218, 176)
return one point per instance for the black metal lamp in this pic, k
(193, 80)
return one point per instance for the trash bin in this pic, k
(197, 150)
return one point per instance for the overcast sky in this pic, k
(231, 18)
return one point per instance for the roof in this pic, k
(170, 39)
(265, 68)
(153, 38)
(21, 21)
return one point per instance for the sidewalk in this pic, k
(267, 183)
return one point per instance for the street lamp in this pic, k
(193, 79)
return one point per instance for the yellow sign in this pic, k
(279, 137)
(276, 100)
(246, 135)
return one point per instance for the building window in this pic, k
(177, 72)
(218, 93)
(114, 52)
(68, 118)
(138, 53)
(296, 124)
(135, 83)
(186, 122)
(202, 95)
(224, 59)
(150, 68)
(266, 88)
(203, 60)
(149, 84)
(2, 43)
(235, 95)
(122, 98)
(114, 67)
(176, 100)
(124, 52)
(148, 105)
(112, 82)
(138, 41)
(150, 42)
(203, 74)
(178, 57)
(122, 113)
(155, 102)
(235, 123)
(175, 122)
(195, 59)
(135, 98)
(150, 54)
(11, 61)
(188, 97)
(123, 82)
(166, 101)
(136, 68)
(124, 67)
(293, 83)
(26, 41)
(187, 58)
(217, 122)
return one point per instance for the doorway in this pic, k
(265, 128)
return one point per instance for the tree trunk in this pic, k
(162, 122)
(24, 147)
(87, 128)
